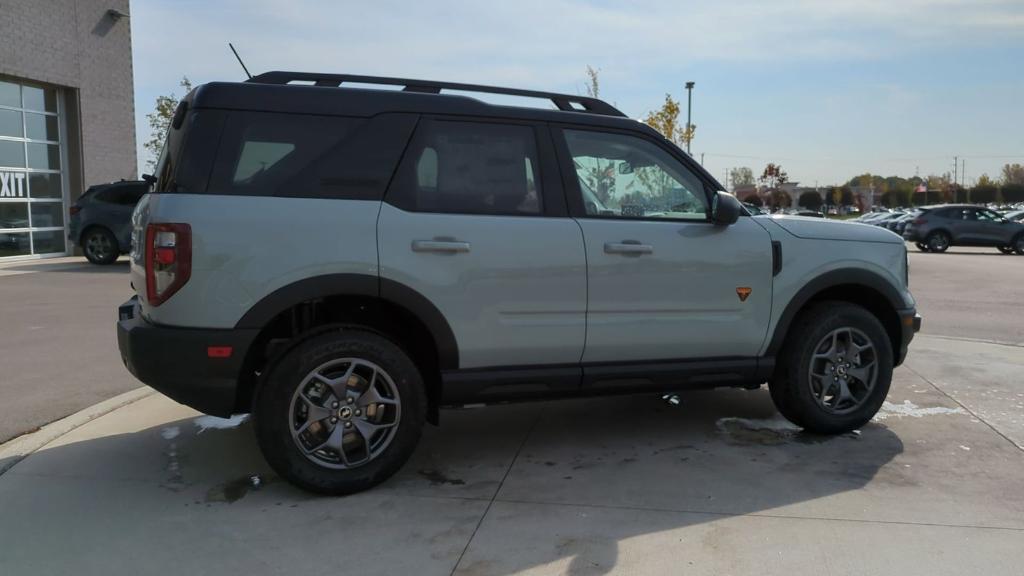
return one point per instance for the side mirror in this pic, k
(725, 208)
(149, 179)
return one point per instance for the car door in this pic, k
(993, 229)
(968, 229)
(476, 223)
(664, 283)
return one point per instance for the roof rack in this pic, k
(565, 102)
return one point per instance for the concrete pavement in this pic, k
(719, 485)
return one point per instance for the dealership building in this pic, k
(67, 115)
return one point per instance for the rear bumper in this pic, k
(178, 362)
(910, 324)
(911, 235)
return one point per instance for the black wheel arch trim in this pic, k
(366, 285)
(832, 279)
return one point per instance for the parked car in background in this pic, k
(754, 210)
(810, 213)
(1015, 216)
(937, 229)
(101, 219)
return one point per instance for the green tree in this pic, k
(160, 121)
(810, 200)
(742, 176)
(1013, 192)
(665, 120)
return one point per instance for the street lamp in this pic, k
(689, 107)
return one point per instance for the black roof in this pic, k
(271, 92)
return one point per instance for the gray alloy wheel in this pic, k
(1005, 249)
(1018, 244)
(345, 413)
(843, 370)
(938, 242)
(100, 246)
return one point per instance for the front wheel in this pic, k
(340, 412)
(1005, 249)
(835, 369)
(1018, 244)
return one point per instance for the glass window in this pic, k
(10, 123)
(13, 214)
(988, 216)
(14, 244)
(42, 99)
(44, 185)
(47, 214)
(48, 242)
(10, 94)
(41, 127)
(265, 154)
(472, 168)
(12, 154)
(43, 156)
(621, 175)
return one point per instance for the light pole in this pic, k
(689, 108)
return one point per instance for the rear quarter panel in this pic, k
(245, 247)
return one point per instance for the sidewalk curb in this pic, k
(17, 449)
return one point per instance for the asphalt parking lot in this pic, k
(718, 485)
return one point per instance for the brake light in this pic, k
(75, 209)
(168, 260)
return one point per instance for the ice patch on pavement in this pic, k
(170, 432)
(205, 423)
(909, 409)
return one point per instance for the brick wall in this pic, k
(75, 44)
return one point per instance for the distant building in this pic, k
(67, 114)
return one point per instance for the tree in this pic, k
(755, 200)
(1013, 174)
(810, 200)
(984, 193)
(160, 121)
(780, 199)
(742, 176)
(773, 176)
(601, 176)
(1013, 192)
(666, 121)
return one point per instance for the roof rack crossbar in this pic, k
(565, 102)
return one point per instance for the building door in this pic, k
(31, 184)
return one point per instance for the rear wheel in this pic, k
(99, 246)
(1018, 244)
(835, 369)
(1006, 249)
(341, 412)
(938, 242)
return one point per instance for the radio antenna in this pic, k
(239, 60)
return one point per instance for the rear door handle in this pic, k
(446, 246)
(628, 247)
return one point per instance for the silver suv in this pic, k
(343, 261)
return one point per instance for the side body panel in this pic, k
(516, 295)
(680, 301)
(245, 247)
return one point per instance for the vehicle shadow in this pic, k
(636, 465)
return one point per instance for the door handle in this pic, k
(446, 246)
(628, 247)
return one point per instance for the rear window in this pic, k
(123, 194)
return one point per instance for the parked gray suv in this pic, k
(342, 262)
(937, 228)
(100, 220)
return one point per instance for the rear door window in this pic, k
(470, 168)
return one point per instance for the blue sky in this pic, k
(827, 88)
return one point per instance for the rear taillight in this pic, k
(168, 260)
(75, 209)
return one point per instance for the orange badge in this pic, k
(743, 292)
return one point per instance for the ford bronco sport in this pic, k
(342, 261)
